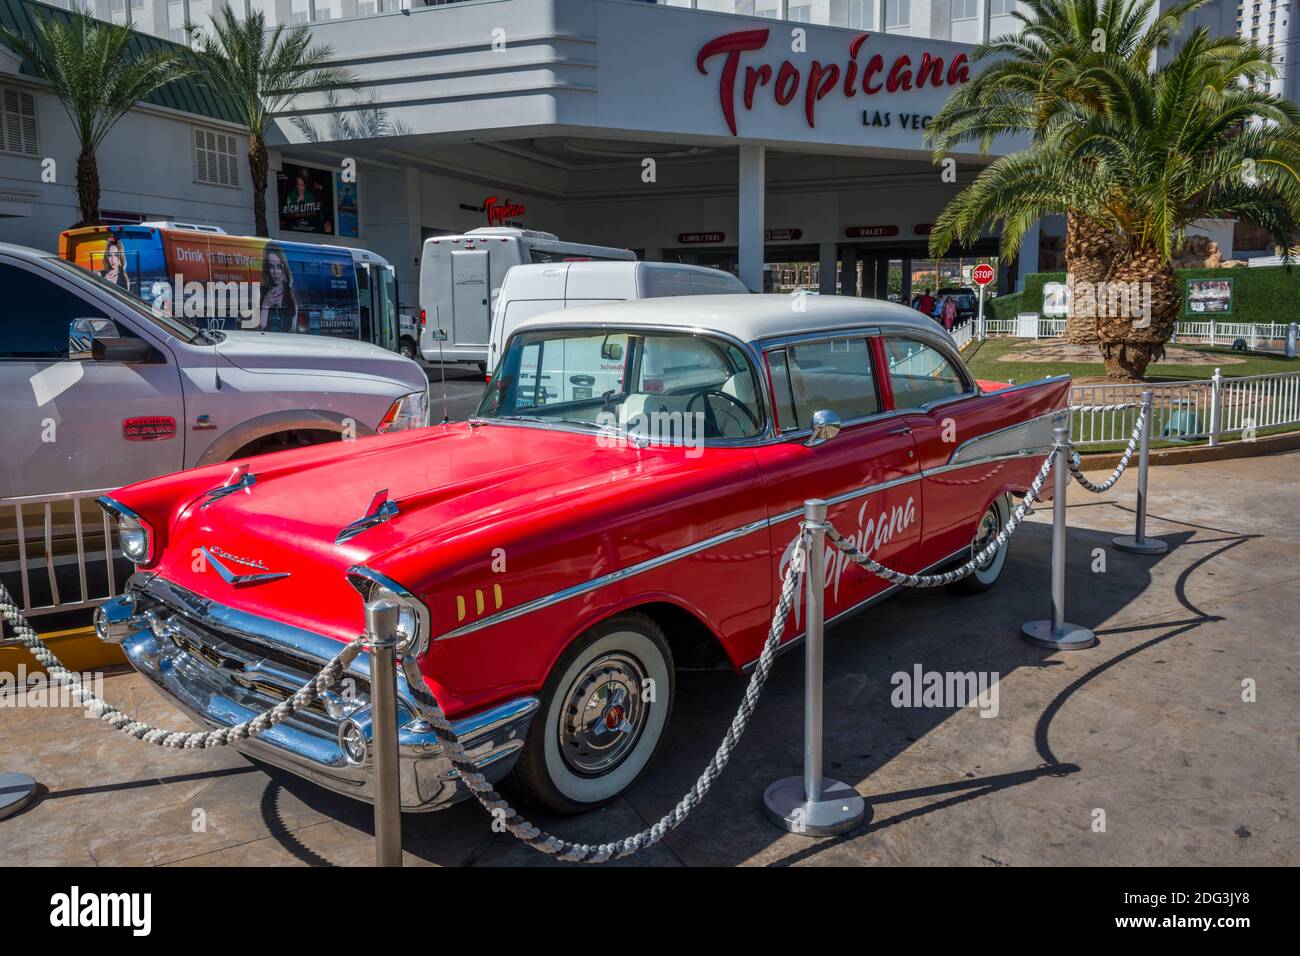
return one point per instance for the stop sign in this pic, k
(982, 274)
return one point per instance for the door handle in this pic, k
(903, 430)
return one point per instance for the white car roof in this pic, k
(749, 318)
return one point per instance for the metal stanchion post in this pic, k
(1055, 633)
(1138, 542)
(381, 641)
(812, 804)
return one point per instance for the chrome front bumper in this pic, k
(223, 666)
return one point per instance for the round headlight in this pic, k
(133, 538)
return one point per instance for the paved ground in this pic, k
(1149, 727)
(464, 389)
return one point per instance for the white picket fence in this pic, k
(1257, 336)
(1205, 408)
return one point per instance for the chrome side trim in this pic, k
(862, 605)
(850, 496)
(596, 583)
(1022, 438)
(117, 509)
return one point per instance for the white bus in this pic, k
(460, 277)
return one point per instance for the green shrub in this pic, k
(1265, 294)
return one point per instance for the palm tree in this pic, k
(1193, 140)
(91, 69)
(262, 74)
(1058, 57)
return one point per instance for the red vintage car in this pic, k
(624, 502)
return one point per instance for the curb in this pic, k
(1197, 453)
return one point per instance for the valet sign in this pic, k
(866, 72)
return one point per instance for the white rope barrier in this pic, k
(1076, 464)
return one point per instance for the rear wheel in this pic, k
(407, 348)
(986, 575)
(603, 714)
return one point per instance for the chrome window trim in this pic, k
(747, 349)
(771, 344)
(954, 359)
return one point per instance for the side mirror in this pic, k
(611, 351)
(100, 339)
(83, 332)
(825, 426)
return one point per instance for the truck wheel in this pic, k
(407, 348)
(596, 732)
(987, 574)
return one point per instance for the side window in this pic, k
(835, 375)
(35, 314)
(921, 374)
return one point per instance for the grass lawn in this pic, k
(983, 361)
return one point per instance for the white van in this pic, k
(460, 277)
(534, 289)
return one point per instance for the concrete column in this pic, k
(753, 190)
(1004, 275)
(907, 282)
(985, 10)
(1028, 254)
(849, 274)
(829, 255)
(882, 277)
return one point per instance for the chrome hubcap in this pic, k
(984, 535)
(603, 715)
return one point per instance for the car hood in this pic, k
(450, 483)
(283, 352)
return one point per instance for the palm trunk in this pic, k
(88, 187)
(257, 169)
(1090, 255)
(1135, 322)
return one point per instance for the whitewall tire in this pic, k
(991, 522)
(604, 709)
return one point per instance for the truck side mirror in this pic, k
(99, 339)
(825, 426)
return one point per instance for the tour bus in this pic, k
(208, 278)
(460, 277)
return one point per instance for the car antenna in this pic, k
(442, 366)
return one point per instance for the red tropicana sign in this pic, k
(821, 78)
(499, 210)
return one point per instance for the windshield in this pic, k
(165, 322)
(666, 387)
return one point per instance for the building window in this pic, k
(898, 14)
(1002, 8)
(964, 9)
(18, 122)
(862, 14)
(800, 12)
(768, 9)
(216, 158)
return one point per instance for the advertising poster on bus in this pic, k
(226, 282)
(306, 199)
(349, 223)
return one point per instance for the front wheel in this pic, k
(603, 714)
(986, 575)
(406, 348)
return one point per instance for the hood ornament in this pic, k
(240, 479)
(381, 509)
(238, 580)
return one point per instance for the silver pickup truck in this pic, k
(99, 390)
